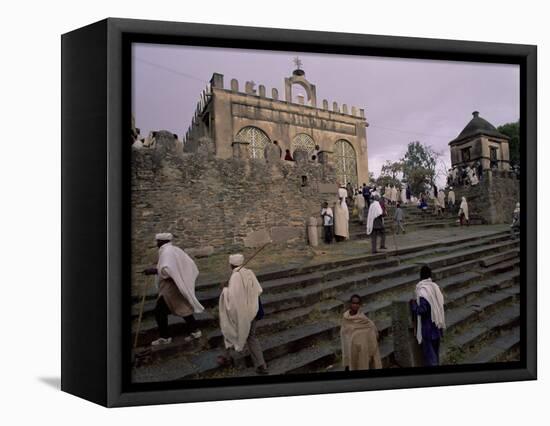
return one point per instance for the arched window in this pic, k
(345, 162)
(256, 138)
(303, 142)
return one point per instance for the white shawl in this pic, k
(375, 210)
(343, 194)
(360, 201)
(473, 177)
(464, 208)
(451, 197)
(238, 307)
(431, 292)
(176, 264)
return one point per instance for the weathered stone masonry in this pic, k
(220, 205)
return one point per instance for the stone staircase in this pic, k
(414, 219)
(300, 331)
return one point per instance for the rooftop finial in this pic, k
(298, 71)
(475, 114)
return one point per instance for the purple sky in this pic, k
(404, 99)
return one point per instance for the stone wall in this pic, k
(494, 198)
(218, 205)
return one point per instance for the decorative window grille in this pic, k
(345, 162)
(303, 142)
(256, 138)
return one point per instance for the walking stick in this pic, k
(254, 255)
(248, 260)
(142, 305)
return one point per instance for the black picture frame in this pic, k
(96, 209)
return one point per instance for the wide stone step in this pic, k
(457, 294)
(211, 288)
(467, 283)
(502, 266)
(293, 363)
(500, 257)
(300, 297)
(454, 348)
(297, 299)
(280, 344)
(270, 323)
(149, 331)
(312, 358)
(474, 253)
(498, 349)
(210, 297)
(480, 306)
(319, 358)
(450, 248)
(204, 364)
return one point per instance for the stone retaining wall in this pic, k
(494, 198)
(216, 205)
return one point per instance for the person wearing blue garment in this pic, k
(366, 195)
(422, 204)
(430, 313)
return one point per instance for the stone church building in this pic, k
(241, 123)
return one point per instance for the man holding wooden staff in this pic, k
(239, 309)
(177, 275)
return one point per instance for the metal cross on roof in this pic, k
(297, 62)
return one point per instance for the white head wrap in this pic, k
(236, 259)
(165, 236)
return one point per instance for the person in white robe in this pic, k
(454, 175)
(472, 175)
(375, 225)
(451, 200)
(515, 226)
(137, 144)
(341, 216)
(239, 311)
(463, 213)
(360, 206)
(403, 194)
(177, 274)
(468, 173)
(150, 141)
(441, 198)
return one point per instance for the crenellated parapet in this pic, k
(252, 88)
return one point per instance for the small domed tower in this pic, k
(480, 141)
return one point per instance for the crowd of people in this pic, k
(240, 306)
(370, 204)
(240, 309)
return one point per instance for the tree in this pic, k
(371, 178)
(419, 165)
(389, 173)
(512, 131)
